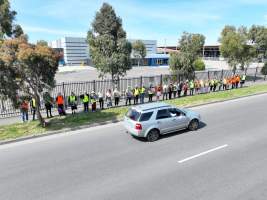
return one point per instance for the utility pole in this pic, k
(165, 42)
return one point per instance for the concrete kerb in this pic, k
(66, 130)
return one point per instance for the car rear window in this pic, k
(145, 116)
(133, 114)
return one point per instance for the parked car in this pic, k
(155, 119)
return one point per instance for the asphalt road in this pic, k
(225, 159)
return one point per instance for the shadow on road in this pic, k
(201, 126)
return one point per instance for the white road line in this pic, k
(203, 153)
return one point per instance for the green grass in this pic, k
(32, 128)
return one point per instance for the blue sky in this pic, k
(142, 19)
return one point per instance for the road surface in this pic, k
(225, 159)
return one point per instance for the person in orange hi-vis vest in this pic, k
(60, 104)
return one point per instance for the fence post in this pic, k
(222, 75)
(208, 74)
(94, 85)
(141, 81)
(256, 74)
(246, 69)
(64, 95)
(161, 79)
(194, 76)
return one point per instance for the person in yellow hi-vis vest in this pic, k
(72, 100)
(142, 91)
(136, 95)
(33, 108)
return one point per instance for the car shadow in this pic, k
(201, 126)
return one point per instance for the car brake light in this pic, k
(138, 126)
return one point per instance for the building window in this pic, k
(159, 61)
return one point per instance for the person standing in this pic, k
(197, 86)
(60, 104)
(136, 95)
(237, 81)
(211, 84)
(206, 86)
(175, 88)
(202, 86)
(243, 80)
(185, 88)
(48, 100)
(101, 100)
(24, 108)
(225, 83)
(93, 100)
(33, 108)
(180, 88)
(116, 95)
(142, 94)
(109, 98)
(72, 101)
(165, 91)
(191, 86)
(158, 91)
(170, 90)
(215, 84)
(150, 93)
(85, 99)
(129, 96)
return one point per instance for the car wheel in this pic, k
(153, 135)
(193, 125)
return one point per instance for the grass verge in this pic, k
(32, 128)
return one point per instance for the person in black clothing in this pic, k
(48, 100)
(179, 88)
(170, 90)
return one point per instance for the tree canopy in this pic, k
(258, 37)
(235, 47)
(7, 17)
(139, 50)
(109, 49)
(199, 65)
(26, 70)
(190, 50)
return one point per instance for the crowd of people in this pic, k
(131, 96)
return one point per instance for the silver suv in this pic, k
(155, 119)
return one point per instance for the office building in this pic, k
(75, 50)
(151, 45)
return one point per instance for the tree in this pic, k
(6, 19)
(190, 50)
(109, 49)
(235, 47)
(192, 44)
(264, 70)
(139, 50)
(26, 70)
(258, 36)
(199, 65)
(42, 43)
(17, 31)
